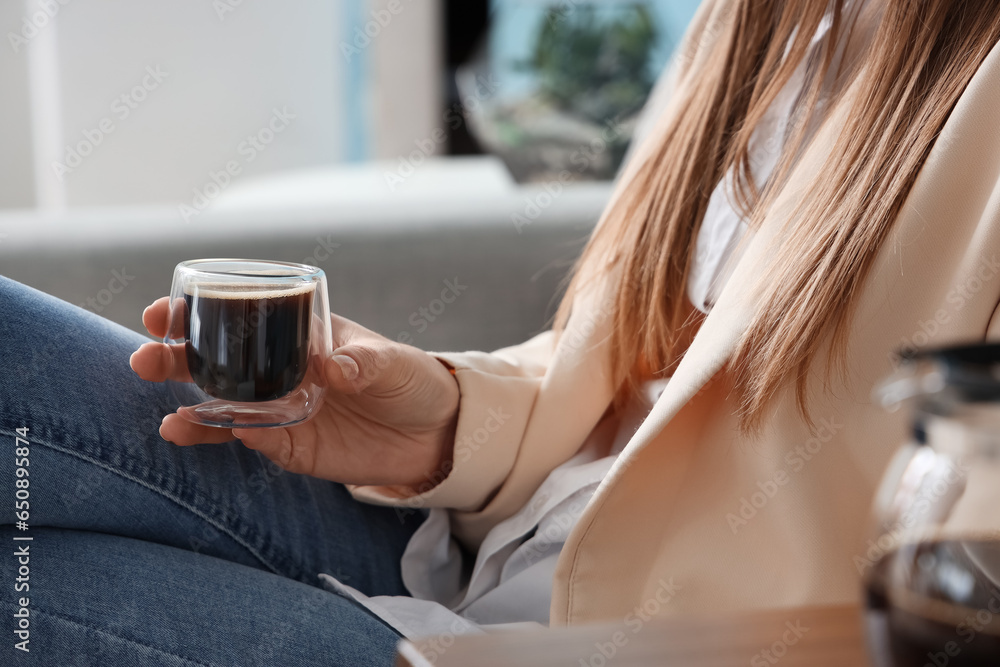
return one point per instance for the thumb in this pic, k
(359, 366)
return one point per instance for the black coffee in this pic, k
(247, 346)
(937, 604)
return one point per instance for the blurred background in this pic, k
(401, 145)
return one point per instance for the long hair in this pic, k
(916, 62)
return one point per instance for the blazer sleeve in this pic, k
(497, 391)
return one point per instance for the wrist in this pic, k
(440, 457)
(448, 433)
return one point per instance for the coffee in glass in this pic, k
(254, 334)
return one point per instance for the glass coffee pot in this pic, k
(932, 569)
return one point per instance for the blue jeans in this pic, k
(145, 553)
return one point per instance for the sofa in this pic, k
(459, 226)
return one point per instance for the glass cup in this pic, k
(254, 336)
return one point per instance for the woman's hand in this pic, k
(388, 419)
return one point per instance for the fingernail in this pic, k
(163, 436)
(347, 366)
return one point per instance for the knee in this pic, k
(41, 331)
(59, 359)
(30, 315)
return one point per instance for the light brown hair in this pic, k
(919, 59)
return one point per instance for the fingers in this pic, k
(374, 365)
(341, 373)
(361, 359)
(277, 445)
(180, 431)
(274, 443)
(158, 318)
(345, 330)
(155, 317)
(156, 362)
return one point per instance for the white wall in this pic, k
(225, 74)
(227, 64)
(406, 67)
(16, 182)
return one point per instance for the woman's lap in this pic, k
(99, 465)
(111, 601)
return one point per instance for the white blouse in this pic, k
(510, 582)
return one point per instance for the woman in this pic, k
(824, 185)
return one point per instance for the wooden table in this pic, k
(807, 637)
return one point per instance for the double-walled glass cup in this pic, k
(254, 335)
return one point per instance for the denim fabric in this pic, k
(149, 553)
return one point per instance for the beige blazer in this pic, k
(693, 517)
